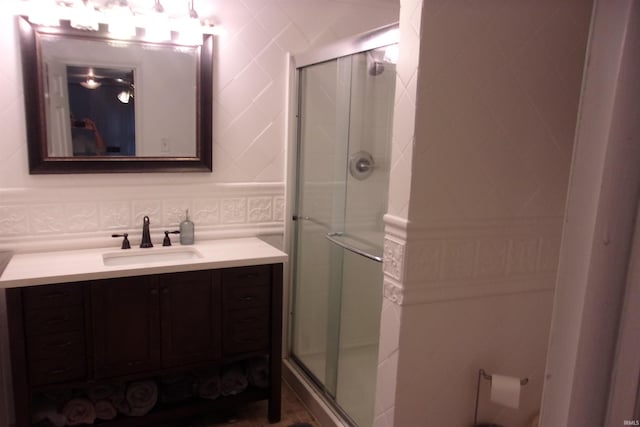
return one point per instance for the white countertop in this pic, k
(87, 264)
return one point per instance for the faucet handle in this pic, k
(167, 240)
(125, 241)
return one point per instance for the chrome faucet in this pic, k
(146, 235)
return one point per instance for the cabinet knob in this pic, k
(165, 291)
(154, 292)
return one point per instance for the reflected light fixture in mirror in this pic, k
(91, 82)
(125, 96)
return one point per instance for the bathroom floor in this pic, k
(294, 414)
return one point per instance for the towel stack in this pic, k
(258, 372)
(106, 401)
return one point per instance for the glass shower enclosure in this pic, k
(345, 111)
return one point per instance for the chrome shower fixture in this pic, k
(361, 165)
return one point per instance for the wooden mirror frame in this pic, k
(36, 125)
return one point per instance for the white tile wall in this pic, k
(402, 143)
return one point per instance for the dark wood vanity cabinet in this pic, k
(77, 334)
(54, 330)
(150, 322)
(125, 326)
(191, 309)
(246, 297)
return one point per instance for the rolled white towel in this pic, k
(79, 411)
(122, 406)
(258, 372)
(141, 397)
(209, 385)
(105, 410)
(45, 409)
(233, 380)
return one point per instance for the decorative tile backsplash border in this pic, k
(451, 261)
(32, 215)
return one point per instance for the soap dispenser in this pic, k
(186, 231)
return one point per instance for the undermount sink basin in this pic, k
(151, 255)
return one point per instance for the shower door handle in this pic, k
(332, 238)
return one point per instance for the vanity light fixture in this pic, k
(190, 27)
(40, 12)
(84, 16)
(157, 26)
(121, 20)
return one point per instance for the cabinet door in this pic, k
(126, 325)
(191, 317)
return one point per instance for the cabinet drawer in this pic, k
(246, 330)
(51, 320)
(240, 296)
(254, 275)
(53, 371)
(51, 346)
(65, 295)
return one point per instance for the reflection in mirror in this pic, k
(98, 76)
(95, 104)
(101, 105)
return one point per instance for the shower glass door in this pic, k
(345, 114)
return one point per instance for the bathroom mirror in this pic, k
(98, 105)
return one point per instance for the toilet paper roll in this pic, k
(505, 390)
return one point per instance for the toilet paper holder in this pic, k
(482, 374)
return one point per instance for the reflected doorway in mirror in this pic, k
(101, 102)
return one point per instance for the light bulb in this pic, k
(85, 17)
(121, 22)
(90, 83)
(44, 12)
(157, 27)
(124, 96)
